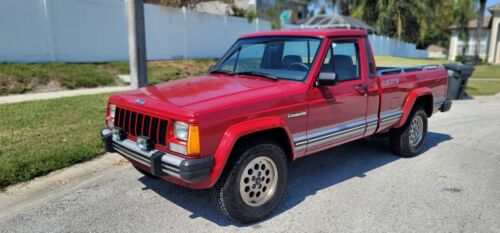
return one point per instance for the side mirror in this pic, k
(326, 79)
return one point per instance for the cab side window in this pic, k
(343, 60)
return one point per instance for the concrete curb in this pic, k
(58, 94)
(19, 197)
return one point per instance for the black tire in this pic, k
(226, 192)
(145, 173)
(400, 138)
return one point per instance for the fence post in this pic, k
(50, 32)
(184, 43)
(137, 44)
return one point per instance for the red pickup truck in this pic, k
(272, 98)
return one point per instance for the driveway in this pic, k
(453, 186)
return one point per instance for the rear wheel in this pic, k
(407, 140)
(255, 184)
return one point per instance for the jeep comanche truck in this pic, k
(272, 98)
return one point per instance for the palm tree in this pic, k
(366, 11)
(479, 28)
(343, 7)
(422, 22)
(346, 7)
(402, 16)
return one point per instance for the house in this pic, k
(214, 7)
(489, 41)
(435, 51)
(494, 45)
(335, 21)
(292, 10)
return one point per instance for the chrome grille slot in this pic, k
(138, 124)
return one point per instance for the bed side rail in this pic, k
(402, 70)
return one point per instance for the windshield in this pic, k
(271, 57)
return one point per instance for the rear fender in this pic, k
(239, 130)
(410, 102)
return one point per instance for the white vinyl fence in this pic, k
(96, 31)
(386, 46)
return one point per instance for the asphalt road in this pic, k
(453, 186)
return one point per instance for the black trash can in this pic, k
(458, 75)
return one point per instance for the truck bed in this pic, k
(395, 83)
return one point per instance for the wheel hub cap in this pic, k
(258, 181)
(416, 130)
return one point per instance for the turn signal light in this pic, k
(193, 142)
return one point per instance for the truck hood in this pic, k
(193, 94)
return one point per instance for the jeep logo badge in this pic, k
(139, 101)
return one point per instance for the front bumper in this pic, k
(161, 163)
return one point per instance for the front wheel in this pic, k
(255, 184)
(407, 140)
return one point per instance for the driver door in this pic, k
(337, 113)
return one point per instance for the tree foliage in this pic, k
(480, 19)
(191, 4)
(274, 15)
(346, 7)
(366, 11)
(463, 11)
(322, 10)
(423, 22)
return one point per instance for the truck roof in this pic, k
(308, 32)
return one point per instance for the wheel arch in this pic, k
(417, 97)
(269, 128)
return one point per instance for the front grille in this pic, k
(138, 124)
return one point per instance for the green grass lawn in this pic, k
(487, 71)
(20, 78)
(41, 136)
(482, 87)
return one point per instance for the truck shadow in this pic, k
(307, 176)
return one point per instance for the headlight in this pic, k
(189, 139)
(112, 110)
(181, 130)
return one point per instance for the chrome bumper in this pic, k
(161, 163)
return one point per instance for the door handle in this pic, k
(362, 89)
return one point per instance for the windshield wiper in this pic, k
(221, 72)
(257, 73)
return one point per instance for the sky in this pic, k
(316, 7)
